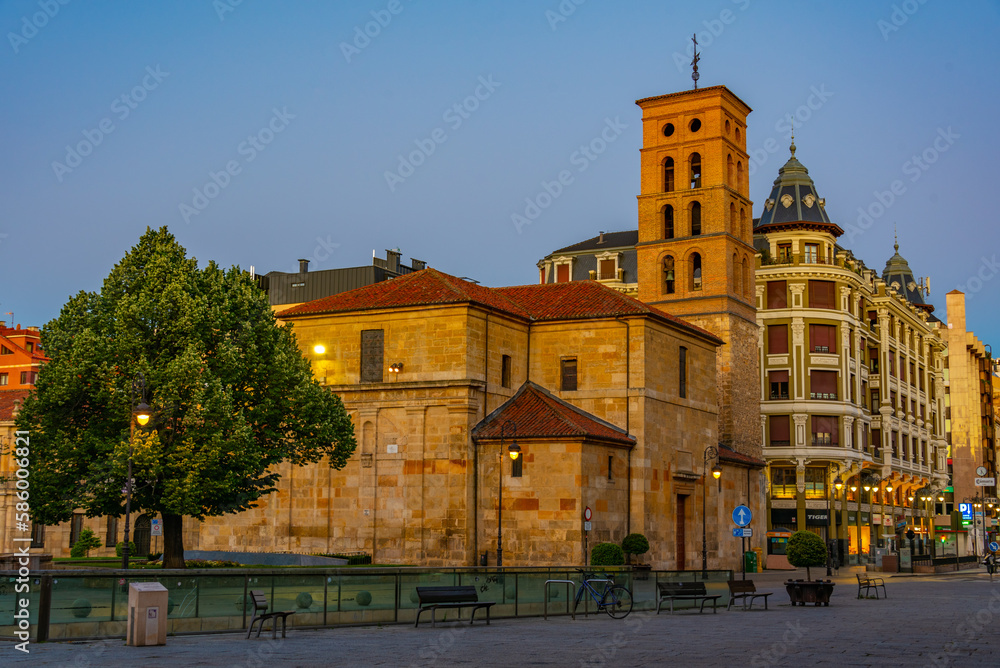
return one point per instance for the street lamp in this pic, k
(514, 451)
(838, 484)
(869, 480)
(140, 414)
(711, 452)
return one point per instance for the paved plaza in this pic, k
(939, 620)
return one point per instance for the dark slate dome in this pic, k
(897, 274)
(794, 202)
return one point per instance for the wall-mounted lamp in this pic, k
(395, 367)
(319, 349)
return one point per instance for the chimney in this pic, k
(303, 266)
(600, 239)
(392, 259)
(417, 265)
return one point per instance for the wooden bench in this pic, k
(432, 598)
(685, 591)
(868, 583)
(260, 613)
(746, 590)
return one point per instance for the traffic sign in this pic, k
(980, 471)
(155, 528)
(994, 546)
(586, 526)
(587, 513)
(742, 532)
(986, 482)
(742, 516)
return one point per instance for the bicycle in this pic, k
(616, 600)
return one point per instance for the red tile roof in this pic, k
(559, 301)
(727, 454)
(539, 414)
(8, 398)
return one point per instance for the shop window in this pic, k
(815, 483)
(783, 483)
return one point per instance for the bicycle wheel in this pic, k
(617, 602)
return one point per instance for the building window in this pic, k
(3, 379)
(785, 253)
(75, 527)
(913, 374)
(864, 394)
(4, 350)
(894, 444)
(668, 275)
(824, 430)
(812, 253)
(736, 274)
(779, 431)
(695, 171)
(821, 294)
(730, 169)
(505, 371)
(815, 483)
(873, 360)
(777, 339)
(682, 372)
(668, 175)
(37, 535)
(372, 355)
(783, 483)
(28, 377)
(777, 294)
(823, 385)
(893, 399)
(739, 176)
(876, 443)
(876, 400)
(695, 271)
(568, 374)
(852, 392)
(695, 218)
(823, 338)
(562, 273)
(779, 384)
(668, 222)
(111, 539)
(746, 278)
(611, 461)
(607, 269)
(517, 467)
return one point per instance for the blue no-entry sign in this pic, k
(994, 547)
(742, 516)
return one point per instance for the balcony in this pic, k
(823, 395)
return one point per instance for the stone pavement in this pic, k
(935, 621)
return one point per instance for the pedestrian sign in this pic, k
(994, 546)
(742, 516)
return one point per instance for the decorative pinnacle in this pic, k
(895, 236)
(791, 119)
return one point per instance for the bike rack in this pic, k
(569, 593)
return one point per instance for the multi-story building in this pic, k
(851, 382)
(969, 419)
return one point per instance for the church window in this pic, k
(505, 371)
(668, 222)
(682, 373)
(695, 271)
(730, 173)
(739, 174)
(695, 170)
(111, 536)
(746, 278)
(568, 368)
(732, 220)
(372, 349)
(695, 124)
(695, 218)
(736, 274)
(668, 129)
(37, 535)
(668, 275)
(668, 175)
(517, 468)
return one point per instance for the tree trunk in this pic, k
(173, 541)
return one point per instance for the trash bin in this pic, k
(750, 561)
(147, 614)
(759, 551)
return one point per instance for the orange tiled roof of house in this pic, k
(559, 301)
(8, 400)
(540, 414)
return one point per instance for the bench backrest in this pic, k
(742, 587)
(259, 601)
(681, 588)
(460, 594)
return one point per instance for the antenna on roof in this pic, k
(694, 61)
(11, 314)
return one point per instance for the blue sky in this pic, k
(263, 132)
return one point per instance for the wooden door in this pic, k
(679, 533)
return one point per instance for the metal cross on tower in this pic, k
(694, 61)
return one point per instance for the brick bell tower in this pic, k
(695, 250)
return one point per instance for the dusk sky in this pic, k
(263, 132)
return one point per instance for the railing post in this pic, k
(246, 585)
(44, 609)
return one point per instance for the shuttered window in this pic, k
(824, 430)
(777, 294)
(777, 339)
(821, 294)
(823, 338)
(779, 384)
(562, 273)
(823, 385)
(779, 430)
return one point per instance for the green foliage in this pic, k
(85, 543)
(635, 543)
(120, 547)
(211, 563)
(232, 396)
(806, 549)
(607, 554)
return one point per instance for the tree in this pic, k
(634, 543)
(805, 549)
(84, 544)
(231, 396)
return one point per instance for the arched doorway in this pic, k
(141, 536)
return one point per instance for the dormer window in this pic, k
(607, 266)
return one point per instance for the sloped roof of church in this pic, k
(575, 300)
(540, 414)
(794, 202)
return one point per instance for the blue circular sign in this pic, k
(994, 547)
(742, 516)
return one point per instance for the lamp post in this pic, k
(869, 480)
(857, 517)
(140, 414)
(892, 510)
(514, 450)
(711, 452)
(838, 484)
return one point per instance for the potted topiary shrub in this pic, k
(806, 550)
(607, 554)
(636, 543)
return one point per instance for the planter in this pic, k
(809, 591)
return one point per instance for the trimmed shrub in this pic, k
(607, 554)
(84, 544)
(806, 549)
(121, 546)
(634, 543)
